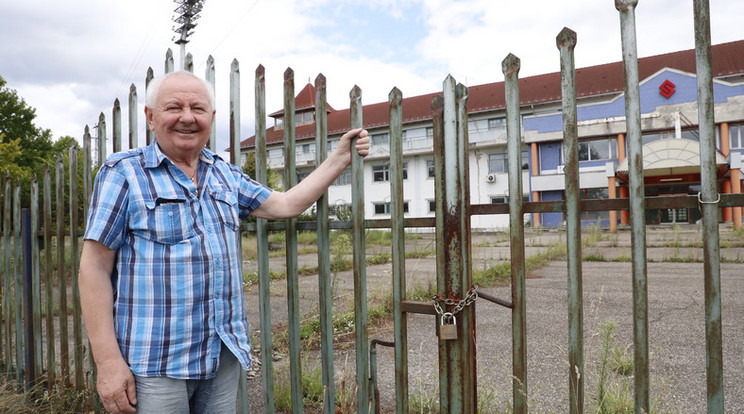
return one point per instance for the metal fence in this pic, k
(37, 292)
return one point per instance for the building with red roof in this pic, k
(669, 123)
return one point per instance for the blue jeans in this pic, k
(176, 396)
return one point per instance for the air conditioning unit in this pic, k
(491, 178)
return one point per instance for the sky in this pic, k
(71, 59)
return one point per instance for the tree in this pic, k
(17, 123)
(25, 149)
(249, 168)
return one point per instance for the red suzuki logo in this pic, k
(667, 89)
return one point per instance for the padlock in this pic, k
(448, 327)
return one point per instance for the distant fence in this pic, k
(41, 330)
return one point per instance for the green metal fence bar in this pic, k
(293, 295)
(133, 131)
(626, 10)
(234, 133)
(169, 64)
(18, 285)
(359, 262)
(49, 283)
(149, 134)
(510, 66)
(7, 266)
(243, 406)
(437, 110)
(566, 41)
(400, 321)
(101, 140)
(209, 75)
(87, 176)
(77, 322)
(262, 240)
(467, 357)
(116, 130)
(325, 283)
(710, 208)
(36, 370)
(188, 64)
(64, 331)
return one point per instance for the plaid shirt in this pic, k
(177, 279)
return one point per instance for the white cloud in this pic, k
(71, 59)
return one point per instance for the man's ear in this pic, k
(148, 117)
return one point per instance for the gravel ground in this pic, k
(676, 323)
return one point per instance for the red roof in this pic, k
(540, 89)
(303, 101)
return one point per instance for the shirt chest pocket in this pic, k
(167, 221)
(225, 205)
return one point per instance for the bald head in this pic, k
(153, 89)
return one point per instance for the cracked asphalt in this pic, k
(675, 308)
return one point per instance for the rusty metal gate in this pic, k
(457, 360)
(455, 320)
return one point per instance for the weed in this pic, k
(312, 386)
(595, 257)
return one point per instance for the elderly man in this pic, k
(160, 274)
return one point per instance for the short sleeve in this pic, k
(107, 217)
(252, 195)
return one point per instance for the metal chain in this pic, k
(470, 297)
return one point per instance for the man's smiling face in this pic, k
(182, 117)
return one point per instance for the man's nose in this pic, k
(187, 115)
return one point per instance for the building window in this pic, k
(505, 199)
(499, 162)
(649, 137)
(304, 149)
(429, 132)
(497, 124)
(384, 208)
(432, 206)
(381, 139)
(304, 118)
(598, 149)
(344, 178)
(736, 140)
(332, 144)
(276, 153)
(381, 172)
(430, 168)
(595, 193)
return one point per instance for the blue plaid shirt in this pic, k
(177, 279)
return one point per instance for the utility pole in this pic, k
(187, 13)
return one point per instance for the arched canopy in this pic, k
(669, 157)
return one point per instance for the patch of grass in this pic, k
(379, 258)
(678, 259)
(422, 291)
(251, 278)
(595, 257)
(378, 237)
(312, 386)
(423, 399)
(59, 400)
(420, 254)
(500, 274)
